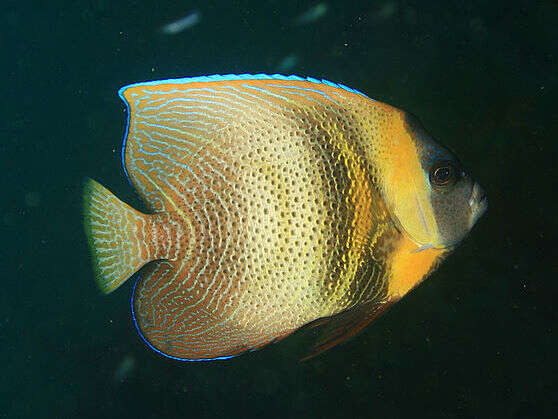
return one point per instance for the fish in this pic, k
(273, 203)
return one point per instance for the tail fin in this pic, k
(112, 228)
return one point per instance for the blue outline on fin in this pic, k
(157, 350)
(230, 77)
(122, 152)
(219, 77)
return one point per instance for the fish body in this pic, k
(275, 202)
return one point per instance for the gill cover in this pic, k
(406, 186)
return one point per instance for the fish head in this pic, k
(433, 198)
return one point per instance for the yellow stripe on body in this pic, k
(359, 202)
(404, 182)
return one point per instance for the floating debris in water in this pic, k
(182, 24)
(311, 15)
(32, 199)
(287, 63)
(124, 369)
(385, 11)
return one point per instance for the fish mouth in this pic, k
(478, 203)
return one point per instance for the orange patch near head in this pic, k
(408, 269)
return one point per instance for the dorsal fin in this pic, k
(177, 127)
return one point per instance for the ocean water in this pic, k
(477, 339)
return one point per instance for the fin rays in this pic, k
(113, 230)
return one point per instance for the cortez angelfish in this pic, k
(274, 201)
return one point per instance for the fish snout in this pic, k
(478, 203)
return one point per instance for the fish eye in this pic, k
(443, 174)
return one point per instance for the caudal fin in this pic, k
(113, 231)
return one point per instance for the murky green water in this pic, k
(475, 340)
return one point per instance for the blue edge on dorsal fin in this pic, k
(220, 77)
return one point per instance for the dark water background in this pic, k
(478, 339)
